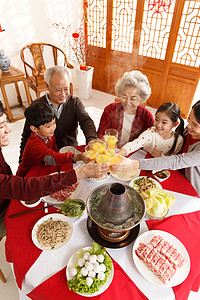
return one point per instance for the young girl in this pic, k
(189, 159)
(160, 139)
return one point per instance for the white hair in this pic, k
(134, 79)
(55, 70)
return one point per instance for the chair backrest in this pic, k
(38, 62)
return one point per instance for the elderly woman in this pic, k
(128, 116)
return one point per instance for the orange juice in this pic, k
(91, 154)
(100, 147)
(102, 159)
(111, 141)
(116, 160)
(110, 152)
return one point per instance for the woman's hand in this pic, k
(92, 170)
(127, 164)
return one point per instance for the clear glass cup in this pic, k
(102, 158)
(98, 146)
(111, 138)
(90, 153)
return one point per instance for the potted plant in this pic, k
(80, 55)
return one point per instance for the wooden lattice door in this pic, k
(164, 46)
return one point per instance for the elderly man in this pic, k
(69, 111)
(28, 189)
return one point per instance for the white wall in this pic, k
(27, 21)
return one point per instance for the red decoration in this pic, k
(83, 67)
(158, 6)
(1, 30)
(75, 35)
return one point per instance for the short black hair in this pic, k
(1, 109)
(38, 114)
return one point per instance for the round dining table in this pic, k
(41, 274)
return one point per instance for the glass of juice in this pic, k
(98, 146)
(111, 137)
(90, 153)
(102, 158)
(115, 160)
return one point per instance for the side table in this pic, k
(14, 75)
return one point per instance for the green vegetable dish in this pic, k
(72, 207)
(91, 270)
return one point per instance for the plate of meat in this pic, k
(161, 258)
(59, 197)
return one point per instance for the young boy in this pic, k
(41, 146)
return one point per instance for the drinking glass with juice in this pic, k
(111, 138)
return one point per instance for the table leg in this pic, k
(10, 115)
(27, 91)
(18, 94)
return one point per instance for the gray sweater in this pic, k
(189, 161)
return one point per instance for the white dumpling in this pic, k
(89, 281)
(101, 276)
(93, 258)
(100, 258)
(86, 255)
(73, 272)
(96, 268)
(81, 262)
(84, 272)
(88, 266)
(102, 267)
(91, 274)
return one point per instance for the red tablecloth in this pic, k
(186, 228)
(121, 287)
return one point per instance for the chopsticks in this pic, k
(27, 212)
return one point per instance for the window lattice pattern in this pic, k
(187, 48)
(155, 32)
(97, 16)
(123, 25)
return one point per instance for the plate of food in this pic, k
(52, 231)
(33, 203)
(143, 183)
(59, 197)
(126, 175)
(90, 271)
(161, 258)
(102, 178)
(73, 150)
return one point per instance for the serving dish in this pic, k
(157, 184)
(164, 174)
(54, 217)
(103, 178)
(31, 205)
(126, 176)
(181, 273)
(72, 264)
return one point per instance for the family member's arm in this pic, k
(144, 139)
(86, 123)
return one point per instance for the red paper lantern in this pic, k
(75, 35)
(158, 6)
(83, 67)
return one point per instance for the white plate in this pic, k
(45, 218)
(158, 185)
(179, 276)
(72, 150)
(72, 263)
(103, 178)
(124, 178)
(31, 205)
(52, 200)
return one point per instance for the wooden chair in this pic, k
(2, 277)
(36, 64)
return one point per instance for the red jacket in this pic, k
(113, 115)
(36, 151)
(18, 188)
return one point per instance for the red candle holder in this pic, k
(83, 67)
